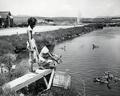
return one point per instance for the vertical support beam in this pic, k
(51, 79)
(46, 83)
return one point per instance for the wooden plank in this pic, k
(25, 80)
(51, 79)
(46, 83)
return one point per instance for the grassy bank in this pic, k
(17, 43)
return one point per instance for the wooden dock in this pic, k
(30, 78)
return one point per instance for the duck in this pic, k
(101, 80)
(63, 48)
(94, 46)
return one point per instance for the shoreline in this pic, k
(69, 33)
(17, 43)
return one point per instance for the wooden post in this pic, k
(51, 79)
(48, 84)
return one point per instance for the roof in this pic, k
(4, 14)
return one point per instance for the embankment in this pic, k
(17, 43)
(69, 33)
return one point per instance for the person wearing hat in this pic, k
(46, 58)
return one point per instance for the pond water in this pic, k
(85, 63)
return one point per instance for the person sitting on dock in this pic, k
(46, 57)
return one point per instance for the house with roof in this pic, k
(6, 19)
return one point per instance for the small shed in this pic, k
(6, 19)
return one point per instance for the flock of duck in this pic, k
(107, 78)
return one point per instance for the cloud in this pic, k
(84, 8)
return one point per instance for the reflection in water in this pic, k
(80, 58)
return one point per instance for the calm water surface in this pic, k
(85, 63)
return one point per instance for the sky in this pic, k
(65, 8)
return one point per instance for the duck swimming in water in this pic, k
(94, 46)
(101, 80)
(63, 48)
(107, 79)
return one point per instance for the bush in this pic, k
(5, 47)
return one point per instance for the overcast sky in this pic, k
(83, 8)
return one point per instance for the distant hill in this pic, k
(106, 19)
